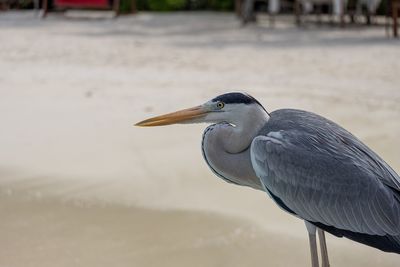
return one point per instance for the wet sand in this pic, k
(55, 233)
(61, 234)
(80, 186)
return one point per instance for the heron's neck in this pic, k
(247, 126)
(226, 149)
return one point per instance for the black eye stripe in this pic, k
(235, 98)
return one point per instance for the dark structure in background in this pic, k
(395, 15)
(247, 9)
(86, 4)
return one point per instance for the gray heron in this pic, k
(310, 166)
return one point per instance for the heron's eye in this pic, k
(220, 105)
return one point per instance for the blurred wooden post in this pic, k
(116, 7)
(342, 10)
(133, 7)
(238, 8)
(297, 11)
(395, 15)
(45, 8)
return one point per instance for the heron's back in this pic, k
(330, 134)
(319, 171)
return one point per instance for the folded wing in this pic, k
(329, 177)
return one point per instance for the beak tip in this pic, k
(172, 118)
(138, 124)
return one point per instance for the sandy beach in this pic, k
(80, 186)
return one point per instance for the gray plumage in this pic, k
(324, 174)
(310, 166)
(318, 171)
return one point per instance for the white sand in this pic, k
(80, 186)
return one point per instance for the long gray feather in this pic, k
(325, 174)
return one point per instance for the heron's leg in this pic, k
(324, 249)
(312, 237)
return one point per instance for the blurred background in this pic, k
(80, 186)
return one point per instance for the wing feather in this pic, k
(337, 183)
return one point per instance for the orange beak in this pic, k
(174, 117)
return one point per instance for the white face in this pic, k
(212, 111)
(230, 113)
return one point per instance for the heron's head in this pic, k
(232, 108)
